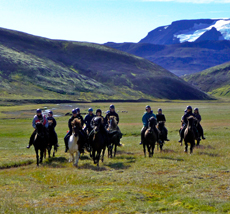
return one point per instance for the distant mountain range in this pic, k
(189, 31)
(185, 46)
(215, 80)
(183, 58)
(33, 67)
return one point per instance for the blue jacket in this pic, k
(146, 117)
(42, 119)
(88, 119)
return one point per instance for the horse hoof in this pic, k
(76, 165)
(185, 151)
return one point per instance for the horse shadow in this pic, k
(169, 158)
(55, 162)
(118, 165)
(91, 167)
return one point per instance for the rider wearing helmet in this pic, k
(111, 112)
(69, 133)
(38, 118)
(184, 120)
(53, 125)
(199, 127)
(79, 116)
(145, 119)
(161, 117)
(88, 119)
(99, 113)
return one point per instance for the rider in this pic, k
(112, 112)
(145, 119)
(199, 127)
(53, 125)
(88, 119)
(39, 117)
(161, 117)
(184, 120)
(69, 133)
(79, 116)
(99, 113)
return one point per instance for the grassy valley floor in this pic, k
(171, 181)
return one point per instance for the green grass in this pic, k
(171, 181)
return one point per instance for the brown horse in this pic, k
(189, 135)
(97, 140)
(114, 136)
(150, 137)
(162, 134)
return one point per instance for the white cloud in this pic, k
(192, 1)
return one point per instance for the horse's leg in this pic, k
(144, 149)
(103, 153)
(191, 146)
(41, 155)
(45, 153)
(186, 146)
(161, 145)
(154, 147)
(115, 150)
(77, 158)
(49, 151)
(149, 148)
(37, 156)
(93, 155)
(55, 149)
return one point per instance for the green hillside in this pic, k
(215, 80)
(38, 68)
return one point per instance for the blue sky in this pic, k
(101, 21)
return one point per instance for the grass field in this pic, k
(171, 181)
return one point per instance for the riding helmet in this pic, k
(90, 109)
(147, 107)
(189, 108)
(196, 109)
(159, 109)
(98, 110)
(74, 111)
(50, 112)
(39, 110)
(112, 107)
(77, 109)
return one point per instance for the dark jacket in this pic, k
(88, 119)
(111, 114)
(69, 123)
(160, 117)
(80, 118)
(187, 114)
(54, 121)
(198, 117)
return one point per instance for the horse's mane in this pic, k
(160, 123)
(190, 117)
(152, 121)
(76, 122)
(114, 118)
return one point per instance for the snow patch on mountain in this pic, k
(192, 34)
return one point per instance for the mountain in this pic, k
(188, 31)
(182, 58)
(215, 80)
(33, 67)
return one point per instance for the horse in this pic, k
(52, 139)
(197, 124)
(114, 137)
(40, 141)
(189, 135)
(97, 140)
(73, 142)
(162, 134)
(150, 137)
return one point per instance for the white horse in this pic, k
(73, 142)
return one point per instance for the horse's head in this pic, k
(76, 126)
(39, 127)
(112, 121)
(161, 125)
(97, 123)
(152, 122)
(50, 122)
(190, 121)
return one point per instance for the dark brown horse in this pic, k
(189, 134)
(97, 140)
(114, 136)
(162, 134)
(150, 137)
(52, 139)
(40, 141)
